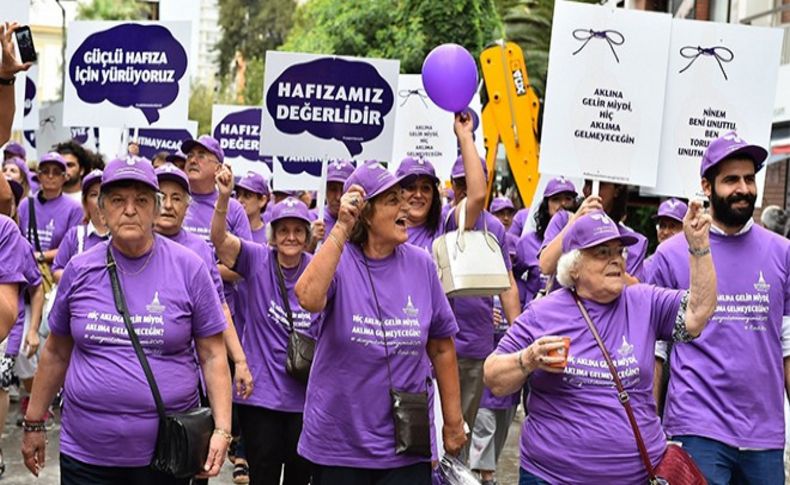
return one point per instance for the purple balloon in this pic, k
(449, 75)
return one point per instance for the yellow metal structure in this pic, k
(511, 115)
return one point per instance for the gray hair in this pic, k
(774, 219)
(159, 199)
(567, 264)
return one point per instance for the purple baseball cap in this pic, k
(94, 176)
(559, 185)
(170, 172)
(418, 167)
(501, 203)
(53, 157)
(16, 189)
(21, 164)
(673, 208)
(593, 229)
(129, 169)
(15, 149)
(374, 179)
(731, 145)
(339, 171)
(208, 142)
(254, 182)
(458, 168)
(178, 155)
(290, 208)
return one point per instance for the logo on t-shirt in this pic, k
(410, 310)
(761, 285)
(155, 306)
(50, 226)
(626, 348)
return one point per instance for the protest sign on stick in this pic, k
(238, 130)
(154, 140)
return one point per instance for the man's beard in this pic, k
(71, 184)
(726, 214)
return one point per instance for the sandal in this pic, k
(241, 472)
(232, 451)
(2, 463)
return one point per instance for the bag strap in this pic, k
(381, 318)
(32, 225)
(120, 305)
(622, 395)
(284, 293)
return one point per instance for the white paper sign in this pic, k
(296, 173)
(721, 77)
(318, 106)
(16, 11)
(422, 129)
(238, 130)
(127, 74)
(52, 131)
(605, 93)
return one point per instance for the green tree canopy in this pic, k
(112, 10)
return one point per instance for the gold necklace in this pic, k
(148, 260)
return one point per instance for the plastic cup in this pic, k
(561, 352)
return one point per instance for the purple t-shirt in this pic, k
(475, 314)
(329, 221)
(32, 279)
(70, 245)
(636, 253)
(347, 417)
(728, 385)
(11, 271)
(530, 280)
(489, 400)
(266, 333)
(423, 237)
(519, 221)
(576, 430)
(109, 416)
(204, 252)
(53, 218)
(259, 236)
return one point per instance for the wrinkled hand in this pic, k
(454, 438)
(536, 355)
(351, 205)
(32, 341)
(696, 226)
(10, 64)
(318, 230)
(242, 377)
(224, 179)
(217, 449)
(34, 446)
(589, 204)
(463, 124)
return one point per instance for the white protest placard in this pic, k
(127, 74)
(422, 129)
(605, 93)
(52, 130)
(30, 105)
(155, 140)
(296, 173)
(721, 77)
(238, 130)
(318, 106)
(16, 11)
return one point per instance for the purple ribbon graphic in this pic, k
(406, 94)
(612, 37)
(720, 53)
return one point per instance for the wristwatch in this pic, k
(4, 81)
(699, 251)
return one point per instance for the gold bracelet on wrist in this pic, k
(217, 209)
(228, 437)
(336, 241)
(519, 358)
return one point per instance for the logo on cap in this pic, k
(338, 165)
(168, 167)
(131, 161)
(602, 218)
(290, 202)
(733, 137)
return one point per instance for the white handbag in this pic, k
(470, 263)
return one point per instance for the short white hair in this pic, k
(567, 264)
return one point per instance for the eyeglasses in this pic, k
(50, 172)
(200, 156)
(605, 253)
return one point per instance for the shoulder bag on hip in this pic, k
(676, 466)
(301, 348)
(182, 441)
(409, 409)
(470, 263)
(47, 281)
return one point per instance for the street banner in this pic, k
(127, 74)
(238, 130)
(328, 107)
(605, 93)
(721, 78)
(155, 140)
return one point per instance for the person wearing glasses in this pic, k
(577, 430)
(110, 422)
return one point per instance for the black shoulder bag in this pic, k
(300, 347)
(182, 442)
(409, 409)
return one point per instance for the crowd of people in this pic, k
(324, 345)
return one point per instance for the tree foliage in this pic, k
(112, 10)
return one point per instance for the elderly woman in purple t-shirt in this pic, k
(576, 430)
(110, 421)
(385, 318)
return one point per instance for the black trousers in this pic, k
(75, 472)
(270, 439)
(417, 474)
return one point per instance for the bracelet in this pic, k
(521, 361)
(29, 426)
(336, 241)
(217, 209)
(228, 437)
(5, 81)
(700, 251)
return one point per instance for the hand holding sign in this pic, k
(449, 74)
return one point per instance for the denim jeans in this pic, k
(526, 478)
(724, 465)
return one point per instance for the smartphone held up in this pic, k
(24, 41)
